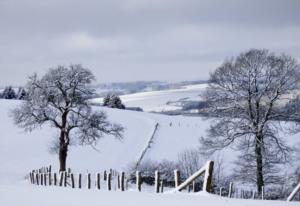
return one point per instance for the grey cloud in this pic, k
(154, 39)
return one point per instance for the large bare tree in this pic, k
(60, 99)
(248, 96)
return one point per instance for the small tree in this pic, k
(249, 95)
(21, 93)
(9, 93)
(113, 101)
(60, 99)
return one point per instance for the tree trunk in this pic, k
(63, 143)
(259, 164)
(62, 158)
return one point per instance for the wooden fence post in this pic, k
(230, 190)
(109, 181)
(98, 181)
(122, 181)
(161, 186)
(65, 178)
(157, 180)
(194, 186)
(50, 178)
(55, 179)
(177, 178)
(42, 178)
(138, 180)
(30, 177)
(72, 181)
(89, 181)
(221, 189)
(45, 179)
(61, 178)
(207, 184)
(37, 178)
(79, 181)
(253, 194)
(118, 182)
(105, 175)
(262, 192)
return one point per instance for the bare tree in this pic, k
(60, 99)
(189, 162)
(248, 96)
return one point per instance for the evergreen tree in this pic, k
(21, 93)
(9, 93)
(106, 100)
(113, 101)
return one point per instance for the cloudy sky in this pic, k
(128, 40)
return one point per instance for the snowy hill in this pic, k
(165, 100)
(21, 152)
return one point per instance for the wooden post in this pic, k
(122, 181)
(105, 175)
(42, 178)
(98, 181)
(138, 180)
(207, 184)
(253, 194)
(61, 178)
(294, 192)
(30, 177)
(88, 181)
(157, 180)
(79, 181)
(109, 181)
(50, 178)
(221, 189)
(177, 178)
(37, 178)
(118, 182)
(230, 190)
(161, 186)
(194, 186)
(55, 178)
(262, 192)
(65, 178)
(72, 181)
(45, 179)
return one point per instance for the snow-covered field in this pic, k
(158, 100)
(21, 152)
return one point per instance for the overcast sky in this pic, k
(128, 40)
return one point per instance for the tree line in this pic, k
(10, 93)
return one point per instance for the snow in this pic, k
(22, 195)
(20, 152)
(157, 100)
